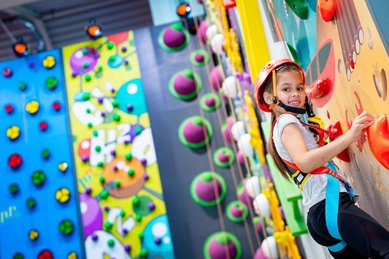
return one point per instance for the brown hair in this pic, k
(268, 87)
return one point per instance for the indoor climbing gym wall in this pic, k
(39, 206)
(343, 47)
(210, 211)
(122, 205)
(79, 167)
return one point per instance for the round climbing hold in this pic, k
(15, 161)
(100, 164)
(32, 107)
(131, 172)
(9, 108)
(7, 72)
(110, 45)
(56, 106)
(72, 255)
(13, 133)
(108, 225)
(210, 102)
(18, 256)
(199, 58)
(116, 117)
(31, 203)
(45, 254)
(88, 77)
(43, 125)
(66, 227)
(224, 157)
(13, 188)
(38, 178)
(49, 62)
(45, 154)
(33, 234)
(104, 194)
(62, 195)
(22, 85)
(144, 253)
(111, 243)
(63, 166)
(173, 38)
(237, 211)
(51, 83)
(128, 156)
(136, 201)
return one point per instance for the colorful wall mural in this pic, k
(122, 206)
(101, 196)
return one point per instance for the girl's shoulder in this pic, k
(284, 118)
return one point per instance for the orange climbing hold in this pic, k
(378, 138)
(326, 9)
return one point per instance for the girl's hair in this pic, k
(268, 87)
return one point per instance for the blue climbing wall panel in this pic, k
(39, 213)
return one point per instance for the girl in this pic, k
(333, 219)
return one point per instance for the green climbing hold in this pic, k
(104, 194)
(13, 188)
(38, 178)
(31, 203)
(131, 172)
(108, 225)
(45, 154)
(110, 45)
(51, 83)
(299, 7)
(66, 227)
(111, 243)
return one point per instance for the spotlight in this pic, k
(183, 10)
(20, 48)
(94, 31)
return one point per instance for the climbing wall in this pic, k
(344, 49)
(39, 208)
(181, 84)
(122, 206)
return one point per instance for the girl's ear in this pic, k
(268, 97)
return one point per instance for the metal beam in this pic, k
(5, 4)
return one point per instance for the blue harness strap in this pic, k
(332, 209)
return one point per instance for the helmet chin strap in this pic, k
(281, 104)
(291, 108)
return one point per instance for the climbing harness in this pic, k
(332, 189)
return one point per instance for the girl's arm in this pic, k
(308, 160)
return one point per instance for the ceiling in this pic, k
(47, 24)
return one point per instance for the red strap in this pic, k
(319, 170)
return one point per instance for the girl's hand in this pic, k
(360, 123)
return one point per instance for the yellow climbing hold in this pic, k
(13, 132)
(63, 166)
(32, 107)
(62, 195)
(49, 62)
(33, 234)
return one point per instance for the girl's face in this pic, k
(290, 90)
